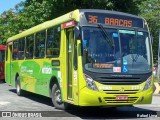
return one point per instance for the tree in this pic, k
(8, 25)
(49, 9)
(32, 12)
(150, 10)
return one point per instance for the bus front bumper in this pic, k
(89, 97)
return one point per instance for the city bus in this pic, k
(87, 57)
(2, 59)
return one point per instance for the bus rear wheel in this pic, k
(18, 87)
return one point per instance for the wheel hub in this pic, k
(58, 97)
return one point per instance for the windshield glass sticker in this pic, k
(125, 68)
(127, 31)
(140, 33)
(84, 43)
(117, 69)
(125, 61)
(102, 65)
(115, 34)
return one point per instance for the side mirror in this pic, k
(77, 32)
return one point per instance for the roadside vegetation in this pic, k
(32, 12)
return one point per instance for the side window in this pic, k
(15, 50)
(53, 42)
(29, 46)
(21, 47)
(40, 44)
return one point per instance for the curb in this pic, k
(156, 90)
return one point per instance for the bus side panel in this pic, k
(36, 75)
(14, 71)
(28, 68)
(7, 72)
(47, 71)
(8, 66)
(42, 73)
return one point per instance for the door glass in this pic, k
(70, 61)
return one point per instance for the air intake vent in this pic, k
(120, 92)
(118, 81)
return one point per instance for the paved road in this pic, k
(36, 105)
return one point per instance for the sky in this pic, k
(7, 4)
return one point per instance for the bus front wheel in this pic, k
(57, 98)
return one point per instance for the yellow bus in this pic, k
(87, 57)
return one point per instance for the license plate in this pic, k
(121, 97)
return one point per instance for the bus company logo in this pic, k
(30, 71)
(46, 70)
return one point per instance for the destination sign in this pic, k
(114, 19)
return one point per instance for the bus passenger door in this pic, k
(70, 40)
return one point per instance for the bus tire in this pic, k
(56, 98)
(57, 101)
(18, 87)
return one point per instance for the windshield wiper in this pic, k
(109, 39)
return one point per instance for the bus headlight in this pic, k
(148, 83)
(90, 83)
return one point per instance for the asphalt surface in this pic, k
(33, 106)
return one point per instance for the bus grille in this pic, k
(118, 81)
(119, 92)
(113, 100)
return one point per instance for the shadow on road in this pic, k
(91, 112)
(119, 112)
(2, 81)
(35, 97)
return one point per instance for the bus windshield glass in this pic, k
(110, 50)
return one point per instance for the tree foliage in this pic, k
(150, 10)
(32, 12)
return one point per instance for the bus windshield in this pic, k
(110, 50)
